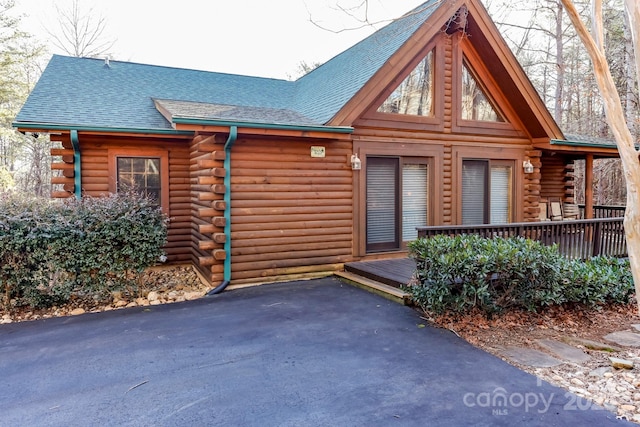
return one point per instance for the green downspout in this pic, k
(233, 135)
(77, 177)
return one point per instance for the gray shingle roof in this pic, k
(81, 92)
(206, 111)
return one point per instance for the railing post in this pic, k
(597, 237)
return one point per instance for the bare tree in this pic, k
(81, 32)
(616, 116)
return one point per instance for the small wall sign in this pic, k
(317, 151)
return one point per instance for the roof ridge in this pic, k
(169, 67)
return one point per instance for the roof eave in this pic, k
(35, 126)
(258, 125)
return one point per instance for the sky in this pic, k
(266, 38)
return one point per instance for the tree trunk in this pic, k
(560, 67)
(617, 121)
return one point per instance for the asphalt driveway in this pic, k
(313, 353)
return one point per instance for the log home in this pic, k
(429, 121)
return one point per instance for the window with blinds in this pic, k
(500, 202)
(414, 199)
(486, 192)
(397, 201)
(382, 196)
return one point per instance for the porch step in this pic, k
(389, 292)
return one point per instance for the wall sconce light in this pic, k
(356, 164)
(527, 166)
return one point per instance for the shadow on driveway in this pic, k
(312, 353)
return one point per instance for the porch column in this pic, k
(588, 187)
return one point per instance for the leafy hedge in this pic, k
(462, 272)
(53, 251)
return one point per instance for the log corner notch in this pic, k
(62, 165)
(207, 173)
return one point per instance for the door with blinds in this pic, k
(397, 201)
(487, 188)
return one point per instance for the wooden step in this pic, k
(389, 292)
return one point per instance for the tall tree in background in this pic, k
(81, 32)
(616, 115)
(19, 68)
(563, 76)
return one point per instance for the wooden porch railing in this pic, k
(601, 211)
(579, 239)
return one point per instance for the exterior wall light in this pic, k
(527, 166)
(356, 164)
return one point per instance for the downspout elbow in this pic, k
(233, 135)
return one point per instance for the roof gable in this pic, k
(336, 82)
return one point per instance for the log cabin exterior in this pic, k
(265, 179)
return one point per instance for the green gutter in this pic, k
(48, 126)
(581, 144)
(233, 135)
(77, 165)
(303, 128)
(226, 278)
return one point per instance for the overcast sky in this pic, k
(267, 38)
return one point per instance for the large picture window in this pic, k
(476, 105)
(415, 95)
(487, 192)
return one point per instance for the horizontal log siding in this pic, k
(95, 182)
(556, 178)
(291, 213)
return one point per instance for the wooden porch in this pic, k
(576, 239)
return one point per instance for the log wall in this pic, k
(291, 213)
(557, 180)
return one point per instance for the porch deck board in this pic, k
(393, 272)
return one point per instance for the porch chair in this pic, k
(570, 211)
(544, 212)
(556, 210)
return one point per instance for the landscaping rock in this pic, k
(621, 363)
(590, 344)
(530, 357)
(564, 351)
(624, 338)
(153, 296)
(77, 311)
(600, 372)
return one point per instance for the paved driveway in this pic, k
(314, 353)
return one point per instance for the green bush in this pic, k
(51, 251)
(598, 281)
(462, 272)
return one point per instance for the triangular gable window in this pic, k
(476, 105)
(414, 96)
